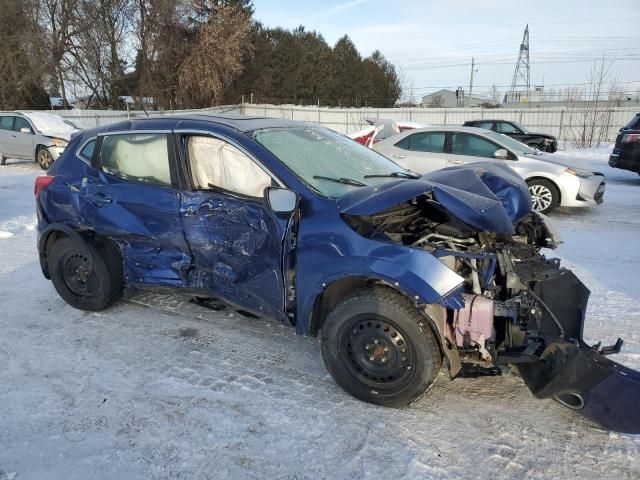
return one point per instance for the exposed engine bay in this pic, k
(520, 308)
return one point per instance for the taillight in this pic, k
(630, 137)
(42, 182)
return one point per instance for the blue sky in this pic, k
(432, 41)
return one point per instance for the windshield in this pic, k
(50, 124)
(326, 160)
(524, 130)
(511, 143)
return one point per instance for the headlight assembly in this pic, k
(58, 142)
(578, 172)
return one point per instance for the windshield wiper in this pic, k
(394, 175)
(343, 180)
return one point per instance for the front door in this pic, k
(23, 141)
(130, 196)
(468, 148)
(237, 242)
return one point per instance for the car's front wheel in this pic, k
(379, 348)
(544, 195)
(85, 276)
(44, 158)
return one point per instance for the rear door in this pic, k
(422, 152)
(238, 243)
(131, 195)
(23, 141)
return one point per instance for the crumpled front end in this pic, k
(520, 307)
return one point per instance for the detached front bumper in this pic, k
(578, 375)
(55, 151)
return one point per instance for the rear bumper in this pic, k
(625, 161)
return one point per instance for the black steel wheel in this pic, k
(379, 348)
(85, 276)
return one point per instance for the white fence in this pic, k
(562, 122)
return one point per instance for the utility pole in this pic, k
(473, 70)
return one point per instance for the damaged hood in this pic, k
(486, 196)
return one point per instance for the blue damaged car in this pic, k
(394, 271)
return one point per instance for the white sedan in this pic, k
(551, 182)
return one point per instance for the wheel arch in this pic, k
(57, 231)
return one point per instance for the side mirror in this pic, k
(501, 154)
(281, 200)
(25, 130)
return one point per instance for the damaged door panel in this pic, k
(132, 201)
(237, 250)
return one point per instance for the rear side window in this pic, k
(216, 164)
(466, 144)
(487, 125)
(21, 123)
(86, 153)
(142, 158)
(634, 124)
(6, 123)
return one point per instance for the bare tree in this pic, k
(495, 94)
(591, 120)
(215, 58)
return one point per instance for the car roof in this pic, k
(450, 128)
(489, 120)
(239, 122)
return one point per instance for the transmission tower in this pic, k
(521, 84)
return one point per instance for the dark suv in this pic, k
(396, 271)
(541, 141)
(626, 153)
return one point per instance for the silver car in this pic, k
(39, 136)
(551, 182)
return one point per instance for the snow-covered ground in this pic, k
(157, 387)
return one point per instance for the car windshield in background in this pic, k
(50, 124)
(511, 143)
(329, 163)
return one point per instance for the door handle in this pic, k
(456, 162)
(398, 156)
(99, 199)
(193, 211)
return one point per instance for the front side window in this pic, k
(139, 157)
(504, 127)
(216, 164)
(487, 125)
(21, 123)
(427, 142)
(6, 122)
(467, 144)
(329, 163)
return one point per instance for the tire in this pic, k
(81, 286)
(544, 195)
(379, 348)
(44, 158)
(3, 160)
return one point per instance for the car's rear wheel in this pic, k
(3, 159)
(544, 195)
(379, 348)
(44, 158)
(85, 276)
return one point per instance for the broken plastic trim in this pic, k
(575, 374)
